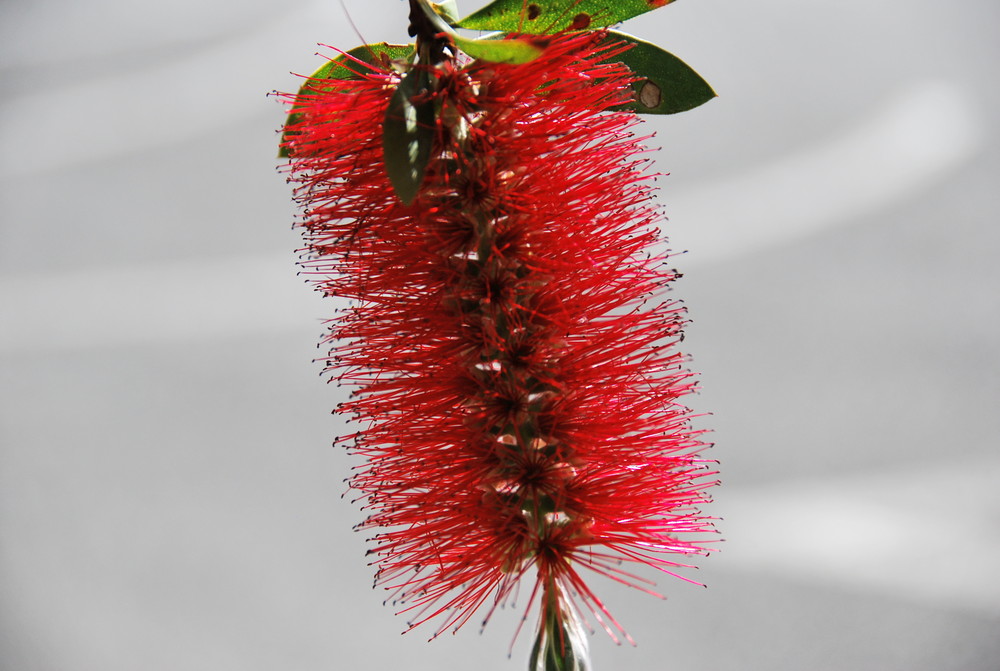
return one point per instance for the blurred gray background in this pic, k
(169, 499)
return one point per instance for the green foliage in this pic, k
(559, 645)
(352, 65)
(408, 133)
(542, 17)
(668, 85)
(513, 50)
(447, 10)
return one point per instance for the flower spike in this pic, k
(513, 360)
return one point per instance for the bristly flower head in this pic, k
(514, 365)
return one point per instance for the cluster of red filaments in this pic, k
(512, 364)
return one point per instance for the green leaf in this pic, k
(513, 51)
(408, 134)
(668, 85)
(542, 17)
(340, 68)
(447, 10)
(561, 644)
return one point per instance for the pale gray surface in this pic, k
(168, 496)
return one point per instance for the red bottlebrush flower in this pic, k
(515, 368)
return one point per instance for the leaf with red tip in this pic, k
(353, 64)
(552, 16)
(668, 85)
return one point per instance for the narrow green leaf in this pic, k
(561, 643)
(408, 134)
(542, 17)
(513, 51)
(536, 650)
(667, 85)
(344, 67)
